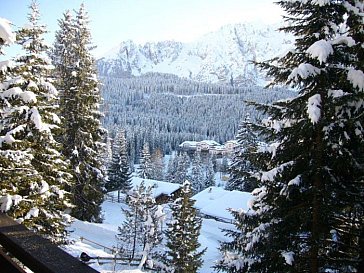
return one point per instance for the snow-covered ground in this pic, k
(104, 234)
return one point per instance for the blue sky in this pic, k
(113, 21)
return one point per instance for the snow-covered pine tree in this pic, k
(140, 231)
(182, 165)
(119, 176)
(145, 167)
(209, 179)
(157, 165)
(64, 59)
(307, 215)
(197, 175)
(33, 173)
(183, 254)
(80, 106)
(241, 167)
(108, 150)
(171, 168)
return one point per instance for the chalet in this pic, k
(218, 150)
(230, 146)
(210, 146)
(188, 145)
(206, 145)
(215, 202)
(163, 192)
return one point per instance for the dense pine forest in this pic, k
(98, 154)
(165, 110)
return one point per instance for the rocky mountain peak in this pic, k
(225, 55)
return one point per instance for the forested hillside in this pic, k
(165, 110)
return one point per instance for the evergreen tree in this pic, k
(308, 212)
(145, 168)
(182, 165)
(80, 101)
(106, 155)
(209, 180)
(241, 167)
(157, 165)
(197, 175)
(140, 231)
(33, 173)
(182, 235)
(64, 59)
(171, 169)
(119, 176)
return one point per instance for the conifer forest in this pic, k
(241, 151)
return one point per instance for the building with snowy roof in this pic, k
(215, 202)
(206, 145)
(188, 145)
(217, 150)
(210, 146)
(230, 146)
(163, 192)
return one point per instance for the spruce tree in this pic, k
(140, 231)
(181, 171)
(171, 169)
(197, 175)
(145, 167)
(79, 105)
(64, 59)
(119, 176)
(33, 173)
(209, 179)
(157, 165)
(182, 253)
(241, 167)
(307, 215)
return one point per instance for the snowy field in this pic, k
(104, 234)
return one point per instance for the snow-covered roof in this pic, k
(210, 142)
(215, 201)
(188, 143)
(161, 187)
(232, 141)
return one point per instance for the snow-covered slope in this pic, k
(219, 56)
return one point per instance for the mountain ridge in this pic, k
(223, 56)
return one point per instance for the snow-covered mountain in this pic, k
(221, 56)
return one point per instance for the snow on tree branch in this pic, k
(6, 35)
(304, 70)
(314, 2)
(320, 50)
(314, 108)
(356, 77)
(270, 175)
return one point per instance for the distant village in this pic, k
(210, 146)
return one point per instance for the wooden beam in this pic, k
(36, 252)
(7, 265)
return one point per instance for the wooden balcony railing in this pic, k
(35, 252)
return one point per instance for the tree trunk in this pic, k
(315, 228)
(134, 237)
(317, 198)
